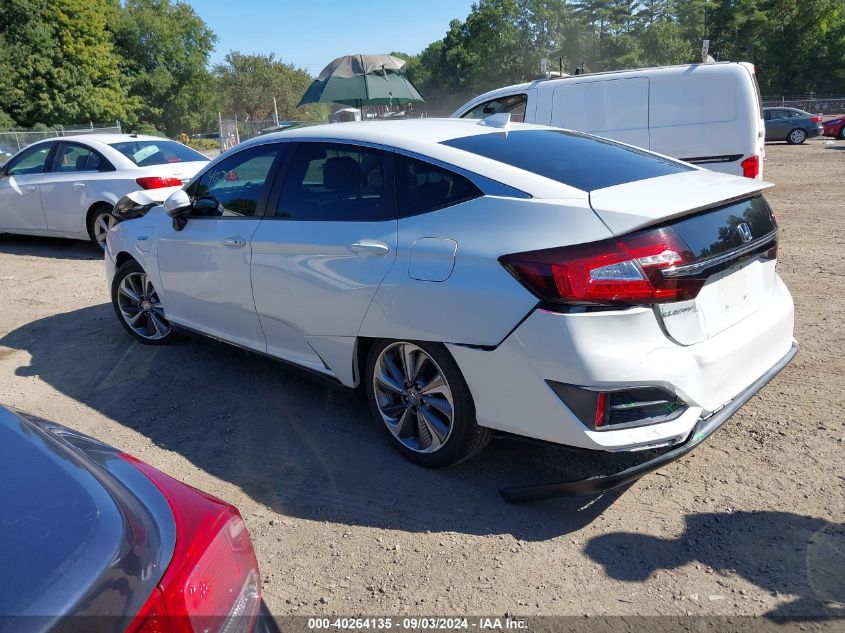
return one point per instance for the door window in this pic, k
(73, 158)
(30, 161)
(234, 186)
(514, 104)
(422, 187)
(335, 181)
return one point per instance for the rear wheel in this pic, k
(417, 391)
(841, 135)
(796, 136)
(137, 305)
(100, 220)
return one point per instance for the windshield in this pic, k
(578, 160)
(148, 153)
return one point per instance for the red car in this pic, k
(835, 127)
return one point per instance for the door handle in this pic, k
(79, 185)
(370, 246)
(234, 242)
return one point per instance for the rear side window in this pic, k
(147, 153)
(422, 187)
(584, 162)
(77, 158)
(336, 182)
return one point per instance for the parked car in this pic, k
(96, 535)
(835, 127)
(707, 114)
(67, 187)
(475, 276)
(791, 125)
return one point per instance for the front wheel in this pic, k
(417, 391)
(138, 306)
(796, 136)
(841, 135)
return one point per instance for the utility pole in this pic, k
(276, 111)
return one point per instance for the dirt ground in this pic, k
(750, 523)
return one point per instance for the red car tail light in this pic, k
(624, 270)
(157, 182)
(751, 166)
(815, 119)
(212, 583)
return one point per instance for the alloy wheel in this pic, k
(141, 308)
(413, 397)
(102, 223)
(797, 136)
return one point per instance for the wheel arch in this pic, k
(122, 258)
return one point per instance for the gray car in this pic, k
(791, 125)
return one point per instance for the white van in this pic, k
(707, 114)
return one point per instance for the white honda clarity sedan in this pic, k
(67, 187)
(476, 276)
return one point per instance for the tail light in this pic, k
(815, 119)
(626, 270)
(157, 182)
(212, 583)
(751, 166)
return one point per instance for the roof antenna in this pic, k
(500, 120)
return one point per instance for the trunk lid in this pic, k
(729, 229)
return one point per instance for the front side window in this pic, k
(335, 182)
(234, 186)
(514, 104)
(422, 187)
(30, 161)
(158, 152)
(76, 158)
(572, 158)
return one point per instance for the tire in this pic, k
(134, 296)
(415, 410)
(796, 136)
(99, 220)
(841, 135)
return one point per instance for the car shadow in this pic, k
(780, 552)
(295, 442)
(49, 247)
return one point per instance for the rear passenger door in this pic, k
(616, 109)
(327, 241)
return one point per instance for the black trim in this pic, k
(703, 160)
(702, 430)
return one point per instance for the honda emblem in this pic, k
(744, 232)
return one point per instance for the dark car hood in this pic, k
(82, 531)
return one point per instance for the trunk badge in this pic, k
(744, 232)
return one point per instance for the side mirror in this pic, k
(178, 205)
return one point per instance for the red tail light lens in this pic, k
(212, 583)
(815, 119)
(751, 166)
(625, 270)
(157, 182)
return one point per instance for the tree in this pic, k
(247, 85)
(58, 65)
(164, 48)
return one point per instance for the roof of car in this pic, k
(108, 139)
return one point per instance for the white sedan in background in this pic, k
(67, 187)
(474, 276)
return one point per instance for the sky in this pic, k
(311, 33)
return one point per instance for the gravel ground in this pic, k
(750, 523)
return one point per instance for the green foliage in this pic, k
(164, 48)
(57, 63)
(247, 85)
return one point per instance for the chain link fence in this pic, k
(15, 140)
(816, 104)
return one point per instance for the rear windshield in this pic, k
(146, 153)
(584, 162)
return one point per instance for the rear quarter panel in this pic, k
(480, 302)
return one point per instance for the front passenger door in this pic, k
(205, 267)
(20, 195)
